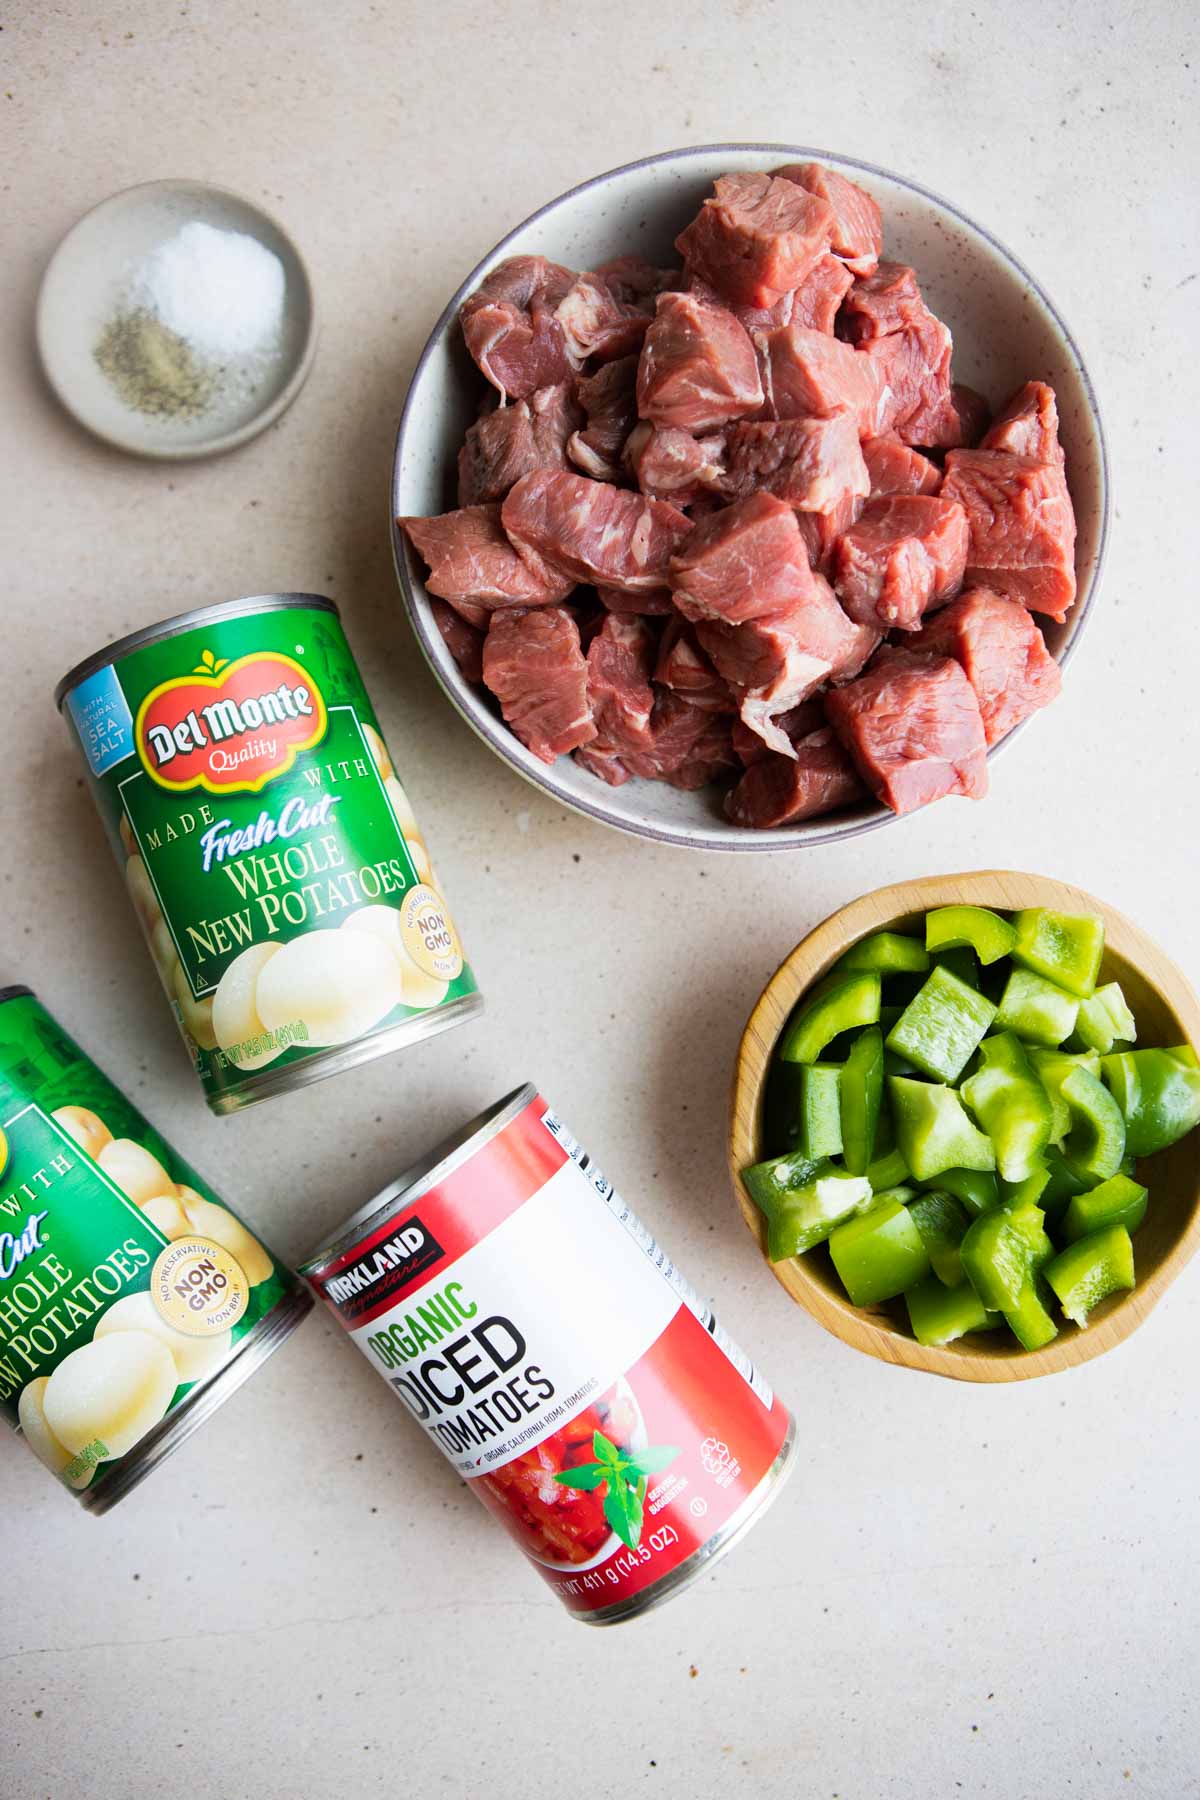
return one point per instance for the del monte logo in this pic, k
(229, 725)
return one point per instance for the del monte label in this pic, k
(229, 726)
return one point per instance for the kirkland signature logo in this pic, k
(386, 1269)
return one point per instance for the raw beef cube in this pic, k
(593, 531)
(620, 661)
(857, 221)
(744, 561)
(511, 328)
(756, 237)
(668, 463)
(637, 281)
(676, 729)
(912, 726)
(816, 301)
(683, 666)
(471, 559)
(533, 664)
(1022, 527)
(821, 531)
(798, 722)
(1003, 655)
(589, 614)
(782, 790)
(810, 463)
(1027, 425)
(893, 468)
(973, 414)
(709, 755)
(609, 400)
(597, 322)
(647, 603)
(698, 368)
(915, 397)
(882, 302)
(464, 642)
(512, 440)
(807, 373)
(905, 554)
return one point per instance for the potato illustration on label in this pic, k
(256, 808)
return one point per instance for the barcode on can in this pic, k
(647, 1242)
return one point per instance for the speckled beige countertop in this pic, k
(977, 1593)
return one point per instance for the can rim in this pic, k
(185, 621)
(419, 1177)
(17, 991)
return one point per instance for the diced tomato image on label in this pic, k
(555, 1355)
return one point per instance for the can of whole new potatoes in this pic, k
(133, 1301)
(271, 854)
(556, 1356)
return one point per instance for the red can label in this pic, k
(555, 1355)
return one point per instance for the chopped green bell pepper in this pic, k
(976, 1188)
(940, 1029)
(1105, 1018)
(975, 927)
(1158, 1093)
(888, 1170)
(1027, 1192)
(1095, 1144)
(1064, 947)
(1088, 1271)
(888, 951)
(1184, 1053)
(861, 1095)
(1036, 1009)
(1061, 1188)
(942, 1222)
(939, 1315)
(934, 1131)
(1029, 1221)
(998, 1255)
(878, 1254)
(1117, 1201)
(820, 1108)
(847, 1001)
(1052, 1068)
(961, 962)
(1011, 1104)
(802, 1201)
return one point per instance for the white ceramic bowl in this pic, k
(1006, 330)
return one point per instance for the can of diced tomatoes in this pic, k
(271, 854)
(556, 1356)
(133, 1301)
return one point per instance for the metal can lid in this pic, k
(419, 1177)
(187, 621)
(16, 992)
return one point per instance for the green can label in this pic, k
(271, 854)
(124, 1280)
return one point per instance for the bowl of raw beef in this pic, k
(749, 496)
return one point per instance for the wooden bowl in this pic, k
(1167, 1013)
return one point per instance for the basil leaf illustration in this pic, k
(585, 1476)
(617, 1510)
(653, 1458)
(604, 1450)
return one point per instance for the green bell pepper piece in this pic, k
(1095, 1144)
(999, 1255)
(942, 1222)
(802, 1201)
(940, 1029)
(1029, 1221)
(961, 962)
(878, 1254)
(976, 1188)
(1061, 1188)
(847, 1001)
(1185, 1054)
(939, 1315)
(1158, 1093)
(1011, 1104)
(1036, 1010)
(1052, 1068)
(903, 1194)
(820, 1108)
(888, 1170)
(934, 1131)
(1088, 1271)
(888, 951)
(1027, 1192)
(1104, 1018)
(1117, 1201)
(973, 927)
(1064, 947)
(861, 1095)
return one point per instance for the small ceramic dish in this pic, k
(91, 280)
(1167, 1012)
(1006, 330)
